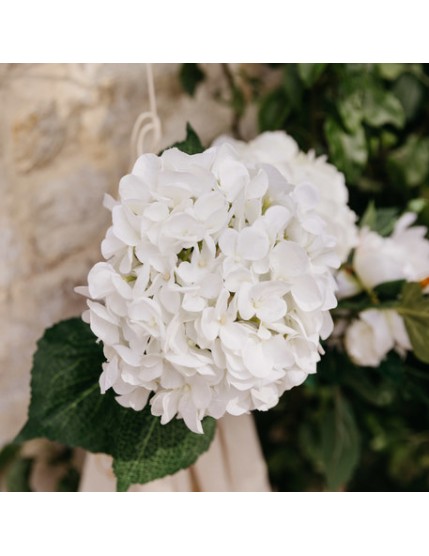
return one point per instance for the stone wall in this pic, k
(64, 142)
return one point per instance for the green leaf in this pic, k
(382, 107)
(381, 221)
(274, 110)
(417, 205)
(414, 309)
(292, 86)
(67, 407)
(410, 92)
(18, 476)
(350, 109)
(340, 444)
(380, 395)
(191, 75)
(310, 73)
(389, 290)
(146, 449)
(391, 72)
(409, 165)
(369, 217)
(348, 151)
(192, 143)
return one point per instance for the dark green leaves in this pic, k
(414, 309)
(192, 143)
(274, 110)
(191, 75)
(277, 105)
(66, 406)
(340, 444)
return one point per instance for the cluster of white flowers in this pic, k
(402, 256)
(216, 285)
(280, 150)
(370, 337)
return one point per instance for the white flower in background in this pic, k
(403, 255)
(280, 150)
(369, 338)
(216, 288)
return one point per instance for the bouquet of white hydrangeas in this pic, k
(217, 286)
(221, 273)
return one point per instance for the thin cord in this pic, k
(146, 124)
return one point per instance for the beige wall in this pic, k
(64, 142)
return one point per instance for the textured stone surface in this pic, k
(64, 142)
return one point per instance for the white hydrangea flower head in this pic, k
(370, 337)
(280, 150)
(216, 286)
(404, 255)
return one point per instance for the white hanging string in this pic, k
(147, 125)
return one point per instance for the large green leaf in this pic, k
(340, 444)
(67, 406)
(414, 309)
(145, 449)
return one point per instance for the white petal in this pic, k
(252, 244)
(271, 309)
(288, 260)
(209, 324)
(228, 242)
(189, 413)
(109, 375)
(306, 293)
(255, 360)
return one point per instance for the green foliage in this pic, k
(381, 221)
(274, 110)
(190, 76)
(348, 149)
(414, 309)
(191, 144)
(340, 444)
(408, 166)
(66, 406)
(310, 73)
(372, 121)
